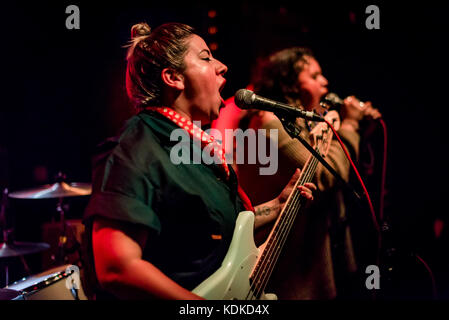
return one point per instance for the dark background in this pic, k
(63, 92)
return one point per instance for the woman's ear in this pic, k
(173, 78)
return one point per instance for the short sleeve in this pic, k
(123, 192)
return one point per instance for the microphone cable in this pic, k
(384, 171)
(382, 196)
(381, 205)
(373, 214)
(371, 208)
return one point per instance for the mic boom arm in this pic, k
(293, 130)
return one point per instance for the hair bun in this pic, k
(140, 30)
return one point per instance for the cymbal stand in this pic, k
(7, 238)
(62, 240)
(3, 227)
(62, 257)
(63, 236)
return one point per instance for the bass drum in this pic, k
(8, 294)
(60, 283)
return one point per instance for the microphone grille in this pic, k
(243, 98)
(333, 99)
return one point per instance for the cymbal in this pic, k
(16, 249)
(56, 190)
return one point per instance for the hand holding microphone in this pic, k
(355, 109)
(352, 110)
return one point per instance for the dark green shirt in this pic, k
(189, 209)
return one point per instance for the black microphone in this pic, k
(246, 99)
(332, 100)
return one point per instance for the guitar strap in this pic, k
(216, 148)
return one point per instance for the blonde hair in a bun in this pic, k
(140, 30)
(150, 51)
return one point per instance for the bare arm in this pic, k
(267, 212)
(122, 271)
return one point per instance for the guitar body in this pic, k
(232, 280)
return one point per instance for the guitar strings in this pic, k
(261, 277)
(290, 217)
(285, 225)
(271, 246)
(287, 219)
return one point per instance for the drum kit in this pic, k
(10, 248)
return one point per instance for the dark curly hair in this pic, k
(276, 76)
(149, 53)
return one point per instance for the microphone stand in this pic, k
(388, 255)
(289, 123)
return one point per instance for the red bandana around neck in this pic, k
(197, 133)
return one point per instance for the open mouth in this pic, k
(222, 86)
(220, 89)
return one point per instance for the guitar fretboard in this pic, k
(281, 230)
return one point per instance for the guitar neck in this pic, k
(292, 207)
(279, 234)
(246, 269)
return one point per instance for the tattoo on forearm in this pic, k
(265, 210)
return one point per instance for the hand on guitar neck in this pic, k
(267, 213)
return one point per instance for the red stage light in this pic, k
(213, 46)
(212, 14)
(212, 30)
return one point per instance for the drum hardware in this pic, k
(60, 283)
(63, 248)
(9, 294)
(58, 190)
(10, 248)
